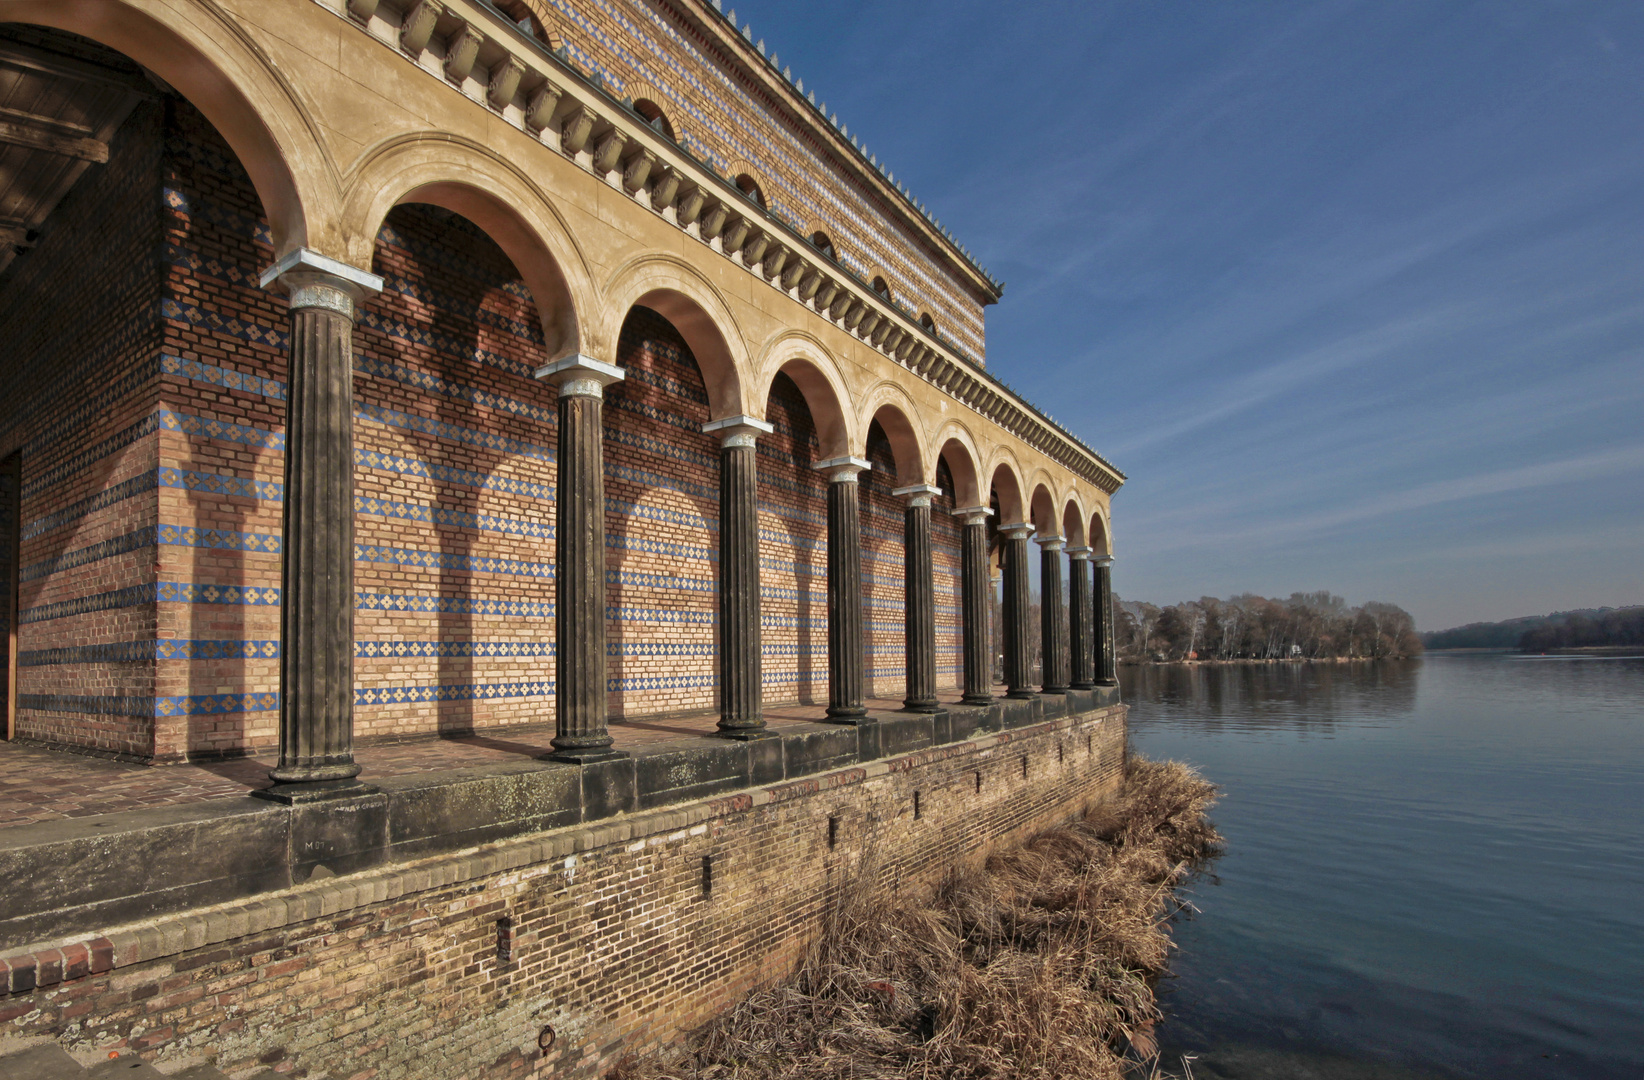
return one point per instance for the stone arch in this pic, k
(212, 62)
(1042, 510)
(483, 187)
(1073, 521)
(1101, 533)
(1005, 486)
(890, 405)
(958, 449)
(677, 292)
(801, 358)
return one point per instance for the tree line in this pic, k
(1585, 630)
(1312, 626)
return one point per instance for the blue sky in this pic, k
(1354, 292)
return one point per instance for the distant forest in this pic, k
(1315, 626)
(1586, 628)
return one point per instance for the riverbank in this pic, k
(1038, 964)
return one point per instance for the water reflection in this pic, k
(1431, 866)
(1256, 696)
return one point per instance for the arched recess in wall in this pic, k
(535, 17)
(1073, 523)
(249, 103)
(455, 470)
(1042, 511)
(694, 308)
(681, 350)
(889, 406)
(1006, 499)
(802, 400)
(133, 305)
(475, 182)
(1101, 538)
(823, 243)
(654, 116)
(958, 452)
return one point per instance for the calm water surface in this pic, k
(1433, 868)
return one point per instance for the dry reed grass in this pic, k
(1038, 965)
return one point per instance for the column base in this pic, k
(930, 705)
(585, 755)
(745, 734)
(291, 793)
(845, 714)
(1082, 686)
(1107, 682)
(976, 699)
(1021, 695)
(1053, 690)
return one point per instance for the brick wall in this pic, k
(618, 941)
(793, 552)
(644, 50)
(78, 378)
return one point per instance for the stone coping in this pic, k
(74, 953)
(72, 873)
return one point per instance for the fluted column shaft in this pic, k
(975, 584)
(1016, 629)
(918, 575)
(1107, 673)
(580, 728)
(1082, 655)
(846, 697)
(1052, 617)
(317, 542)
(741, 674)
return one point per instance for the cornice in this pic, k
(481, 53)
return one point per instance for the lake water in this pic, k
(1433, 868)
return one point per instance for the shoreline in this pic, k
(1125, 662)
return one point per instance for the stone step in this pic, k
(47, 1061)
(125, 1067)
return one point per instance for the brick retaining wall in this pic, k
(621, 934)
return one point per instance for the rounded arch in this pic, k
(1042, 510)
(881, 287)
(474, 181)
(1005, 485)
(823, 243)
(653, 115)
(927, 322)
(751, 183)
(803, 359)
(890, 405)
(1101, 534)
(203, 55)
(1073, 521)
(676, 291)
(958, 449)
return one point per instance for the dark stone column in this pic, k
(317, 538)
(975, 583)
(845, 674)
(741, 712)
(918, 571)
(1052, 617)
(1107, 671)
(1016, 627)
(1080, 612)
(580, 731)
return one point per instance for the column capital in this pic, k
(1102, 560)
(973, 515)
(737, 430)
(1020, 531)
(313, 280)
(1080, 552)
(842, 470)
(1051, 543)
(918, 494)
(580, 375)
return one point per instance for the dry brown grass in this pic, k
(1039, 964)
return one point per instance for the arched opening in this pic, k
(881, 287)
(1073, 525)
(662, 522)
(884, 603)
(946, 572)
(529, 16)
(1006, 500)
(793, 548)
(144, 382)
(655, 117)
(927, 322)
(454, 481)
(751, 189)
(821, 242)
(1099, 541)
(1042, 512)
